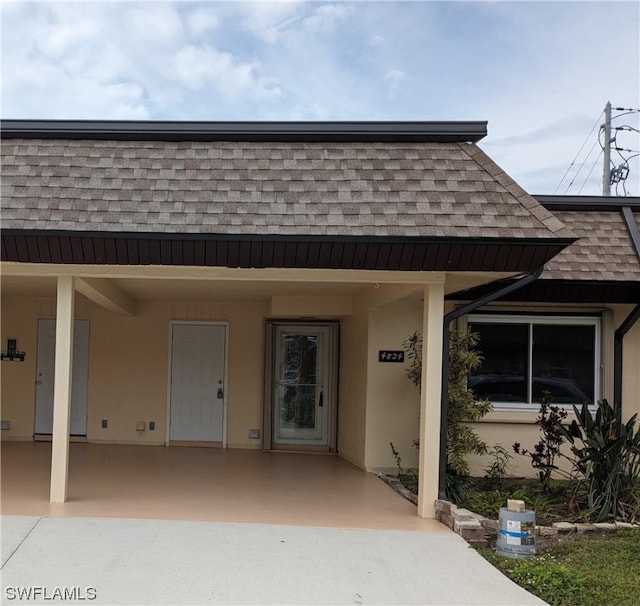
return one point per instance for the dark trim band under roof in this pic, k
(594, 292)
(588, 203)
(210, 250)
(123, 130)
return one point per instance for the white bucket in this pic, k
(517, 533)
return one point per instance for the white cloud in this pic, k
(202, 20)
(393, 78)
(539, 72)
(267, 20)
(325, 18)
(201, 67)
(154, 23)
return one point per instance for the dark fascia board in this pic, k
(387, 132)
(545, 290)
(588, 203)
(186, 236)
(307, 252)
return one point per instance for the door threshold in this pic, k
(46, 437)
(196, 443)
(295, 448)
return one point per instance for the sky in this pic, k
(539, 72)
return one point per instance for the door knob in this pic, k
(220, 393)
(321, 399)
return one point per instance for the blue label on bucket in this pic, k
(511, 533)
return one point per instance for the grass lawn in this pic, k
(601, 570)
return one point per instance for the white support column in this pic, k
(430, 394)
(62, 390)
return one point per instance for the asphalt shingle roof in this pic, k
(604, 251)
(354, 189)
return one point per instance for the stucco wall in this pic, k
(129, 366)
(393, 403)
(631, 364)
(352, 388)
(19, 378)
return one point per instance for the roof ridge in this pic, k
(527, 201)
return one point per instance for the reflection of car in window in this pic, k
(511, 388)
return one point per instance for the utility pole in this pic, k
(606, 173)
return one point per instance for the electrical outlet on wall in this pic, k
(254, 434)
(5, 425)
(152, 425)
(104, 424)
(140, 426)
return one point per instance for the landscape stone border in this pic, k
(479, 531)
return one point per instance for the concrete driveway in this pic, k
(124, 561)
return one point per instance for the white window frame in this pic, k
(532, 319)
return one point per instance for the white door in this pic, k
(302, 385)
(197, 382)
(45, 377)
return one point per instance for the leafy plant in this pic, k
(413, 349)
(398, 458)
(550, 507)
(607, 459)
(457, 486)
(544, 453)
(499, 464)
(462, 440)
(408, 477)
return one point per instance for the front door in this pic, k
(45, 377)
(302, 397)
(197, 383)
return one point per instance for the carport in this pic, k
(204, 484)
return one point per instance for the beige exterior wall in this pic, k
(129, 367)
(19, 378)
(631, 364)
(352, 387)
(393, 403)
(128, 362)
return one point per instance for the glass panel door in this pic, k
(301, 385)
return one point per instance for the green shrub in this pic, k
(462, 440)
(544, 453)
(499, 463)
(607, 461)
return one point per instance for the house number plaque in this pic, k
(387, 355)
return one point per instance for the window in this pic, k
(524, 356)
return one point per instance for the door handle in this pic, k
(321, 399)
(220, 393)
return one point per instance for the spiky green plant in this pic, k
(607, 461)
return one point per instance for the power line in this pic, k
(584, 162)
(597, 161)
(577, 154)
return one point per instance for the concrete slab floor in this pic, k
(205, 484)
(176, 562)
